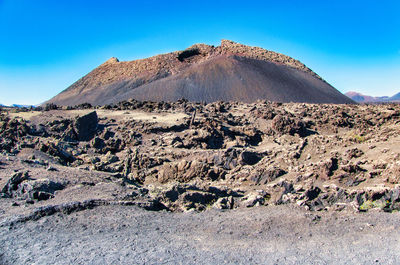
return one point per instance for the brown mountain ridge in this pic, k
(361, 98)
(229, 72)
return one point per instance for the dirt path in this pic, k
(260, 235)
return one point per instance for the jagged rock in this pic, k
(11, 132)
(328, 167)
(210, 139)
(109, 158)
(249, 158)
(69, 135)
(20, 185)
(176, 196)
(39, 189)
(254, 199)
(113, 145)
(312, 193)
(285, 125)
(56, 150)
(97, 143)
(288, 187)
(59, 126)
(226, 160)
(352, 168)
(267, 175)
(51, 168)
(197, 199)
(184, 171)
(112, 60)
(13, 183)
(393, 174)
(354, 153)
(136, 165)
(224, 203)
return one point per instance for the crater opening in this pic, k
(187, 54)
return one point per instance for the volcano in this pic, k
(203, 73)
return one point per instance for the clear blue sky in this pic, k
(46, 45)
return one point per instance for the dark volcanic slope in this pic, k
(230, 72)
(233, 78)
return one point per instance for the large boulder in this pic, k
(86, 126)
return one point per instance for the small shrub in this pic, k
(367, 205)
(356, 137)
(50, 106)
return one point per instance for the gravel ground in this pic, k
(260, 235)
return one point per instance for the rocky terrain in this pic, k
(316, 159)
(182, 156)
(203, 73)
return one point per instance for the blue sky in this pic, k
(46, 45)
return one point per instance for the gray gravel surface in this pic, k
(261, 235)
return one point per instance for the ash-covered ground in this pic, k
(321, 162)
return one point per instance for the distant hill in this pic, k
(17, 106)
(21, 106)
(230, 72)
(395, 97)
(360, 98)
